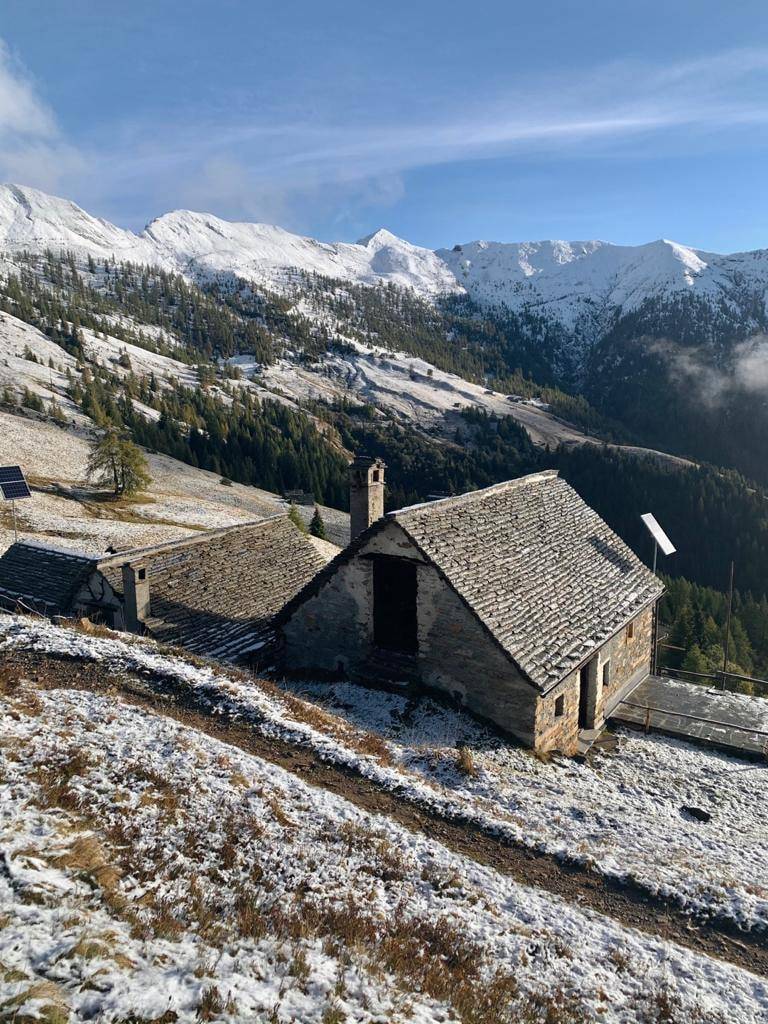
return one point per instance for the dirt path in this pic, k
(626, 903)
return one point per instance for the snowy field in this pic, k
(106, 352)
(407, 387)
(180, 498)
(151, 870)
(622, 814)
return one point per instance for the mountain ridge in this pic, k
(563, 280)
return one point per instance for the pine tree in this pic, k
(695, 661)
(317, 526)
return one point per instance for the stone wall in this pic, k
(630, 659)
(333, 632)
(559, 732)
(457, 655)
(630, 663)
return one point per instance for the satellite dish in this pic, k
(660, 539)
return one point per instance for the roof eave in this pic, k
(625, 622)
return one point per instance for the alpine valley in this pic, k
(266, 358)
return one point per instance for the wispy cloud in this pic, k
(32, 150)
(269, 164)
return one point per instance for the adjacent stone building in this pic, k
(215, 593)
(517, 600)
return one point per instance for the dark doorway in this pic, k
(394, 604)
(584, 673)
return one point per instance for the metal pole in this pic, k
(15, 533)
(655, 553)
(728, 626)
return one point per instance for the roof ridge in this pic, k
(468, 496)
(136, 554)
(52, 549)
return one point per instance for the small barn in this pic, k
(214, 593)
(517, 600)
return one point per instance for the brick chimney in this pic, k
(366, 493)
(136, 595)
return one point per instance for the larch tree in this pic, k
(116, 462)
(295, 516)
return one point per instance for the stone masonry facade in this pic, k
(517, 601)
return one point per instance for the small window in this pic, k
(630, 631)
(607, 674)
(375, 476)
(142, 574)
(560, 706)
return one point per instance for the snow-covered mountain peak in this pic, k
(35, 221)
(382, 237)
(561, 279)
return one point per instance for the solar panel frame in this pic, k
(658, 534)
(10, 474)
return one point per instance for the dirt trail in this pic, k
(626, 903)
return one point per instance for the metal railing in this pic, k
(648, 708)
(725, 680)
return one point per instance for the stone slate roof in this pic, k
(217, 593)
(546, 576)
(40, 578)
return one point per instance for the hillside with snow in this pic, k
(630, 329)
(182, 843)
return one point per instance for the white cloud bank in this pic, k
(32, 151)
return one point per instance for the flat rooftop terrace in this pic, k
(733, 722)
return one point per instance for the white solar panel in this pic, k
(658, 534)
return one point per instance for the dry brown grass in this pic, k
(54, 779)
(211, 1004)
(465, 761)
(52, 1005)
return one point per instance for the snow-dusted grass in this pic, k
(151, 869)
(181, 498)
(622, 815)
(405, 386)
(107, 351)
(45, 377)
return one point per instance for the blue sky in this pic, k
(444, 122)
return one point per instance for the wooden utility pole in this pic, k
(728, 626)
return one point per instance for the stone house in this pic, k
(214, 593)
(516, 600)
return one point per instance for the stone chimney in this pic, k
(366, 493)
(136, 595)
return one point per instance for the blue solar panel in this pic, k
(12, 483)
(15, 489)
